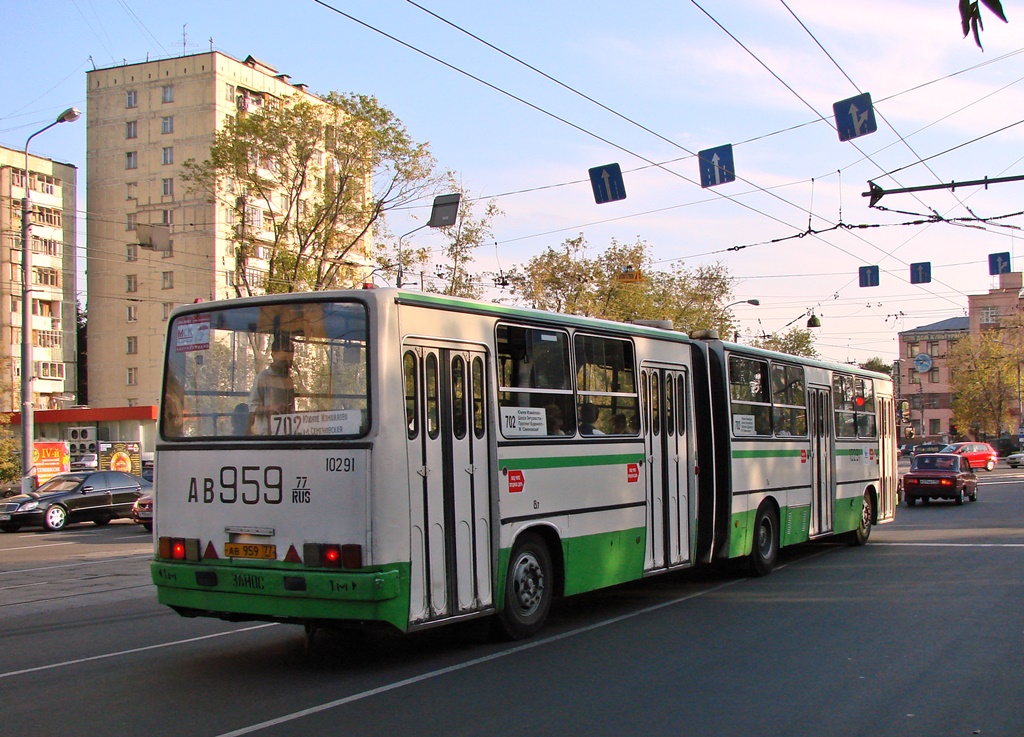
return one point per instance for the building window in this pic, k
(47, 277)
(130, 221)
(131, 99)
(132, 252)
(131, 160)
(168, 155)
(168, 306)
(131, 191)
(168, 187)
(913, 377)
(167, 124)
(50, 370)
(933, 376)
(131, 129)
(229, 92)
(934, 427)
(132, 283)
(167, 217)
(989, 314)
(167, 93)
(168, 280)
(132, 313)
(133, 376)
(170, 250)
(911, 350)
(132, 346)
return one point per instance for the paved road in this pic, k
(917, 634)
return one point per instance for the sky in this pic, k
(665, 79)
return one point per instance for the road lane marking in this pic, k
(952, 545)
(44, 545)
(132, 651)
(76, 565)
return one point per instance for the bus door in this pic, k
(886, 409)
(449, 469)
(823, 488)
(668, 423)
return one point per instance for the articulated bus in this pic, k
(380, 456)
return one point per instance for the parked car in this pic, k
(928, 448)
(87, 462)
(906, 450)
(980, 455)
(940, 476)
(142, 511)
(1015, 459)
(97, 496)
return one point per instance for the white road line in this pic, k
(31, 547)
(951, 545)
(130, 652)
(76, 565)
(468, 664)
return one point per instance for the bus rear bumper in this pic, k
(286, 595)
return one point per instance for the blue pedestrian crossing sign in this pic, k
(999, 263)
(855, 117)
(607, 183)
(869, 276)
(921, 273)
(716, 166)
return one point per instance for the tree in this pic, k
(307, 182)
(464, 237)
(621, 284)
(984, 382)
(878, 364)
(796, 342)
(970, 16)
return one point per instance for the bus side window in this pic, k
(479, 418)
(430, 392)
(411, 374)
(459, 397)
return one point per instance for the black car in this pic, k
(96, 496)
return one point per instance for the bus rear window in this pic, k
(283, 369)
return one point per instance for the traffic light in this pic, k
(909, 431)
(905, 410)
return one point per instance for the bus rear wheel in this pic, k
(529, 588)
(765, 550)
(867, 515)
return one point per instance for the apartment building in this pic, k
(924, 372)
(144, 121)
(1000, 305)
(54, 280)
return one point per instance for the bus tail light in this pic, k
(323, 555)
(179, 548)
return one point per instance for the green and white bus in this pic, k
(389, 457)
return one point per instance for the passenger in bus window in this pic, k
(240, 419)
(618, 424)
(556, 424)
(273, 392)
(588, 417)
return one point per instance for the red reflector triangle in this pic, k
(210, 551)
(292, 556)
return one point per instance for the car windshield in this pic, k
(60, 483)
(949, 449)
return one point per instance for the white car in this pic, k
(87, 462)
(1015, 459)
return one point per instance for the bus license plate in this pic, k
(249, 550)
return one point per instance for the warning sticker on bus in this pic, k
(192, 333)
(337, 422)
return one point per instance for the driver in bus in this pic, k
(273, 392)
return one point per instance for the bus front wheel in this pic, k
(765, 550)
(529, 588)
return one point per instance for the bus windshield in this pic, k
(267, 370)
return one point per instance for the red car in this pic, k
(142, 511)
(981, 455)
(940, 476)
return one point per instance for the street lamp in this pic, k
(444, 212)
(754, 302)
(27, 425)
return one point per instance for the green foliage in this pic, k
(878, 364)
(621, 284)
(970, 16)
(308, 183)
(983, 381)
(796, 342)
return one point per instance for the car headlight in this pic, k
(28, 506)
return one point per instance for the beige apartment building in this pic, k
(54, 280)
(144, 121)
